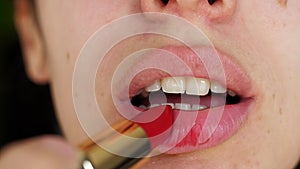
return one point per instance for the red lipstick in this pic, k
(148, 130)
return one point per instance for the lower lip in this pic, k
(227, 125)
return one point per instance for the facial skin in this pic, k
(262, 36)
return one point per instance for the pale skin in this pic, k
(263, 36)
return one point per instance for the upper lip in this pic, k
(235, 78)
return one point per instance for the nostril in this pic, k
(211, 2)
(153, 5)
(165, 2)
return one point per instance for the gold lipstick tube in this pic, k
(96, 157)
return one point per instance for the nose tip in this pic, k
(211, 2)
(210, 9)
(187, 4)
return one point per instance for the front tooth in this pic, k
(197, 86)
(182, 106)
(217, 88)
(173, 85)
(154, 87)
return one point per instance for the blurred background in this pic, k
(25, 108)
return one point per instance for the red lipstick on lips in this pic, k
(191, 127)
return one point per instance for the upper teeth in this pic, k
(173, 85)
(154, 87)
(197, 86)
(188, 85)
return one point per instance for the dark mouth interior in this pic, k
(146, 99)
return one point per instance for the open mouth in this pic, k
(196, 92)
(202, 104)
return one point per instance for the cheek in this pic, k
(66, 27)
(274, 35)
(69, 25)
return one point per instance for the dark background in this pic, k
(25, 108)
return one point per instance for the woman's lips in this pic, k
(189, 126)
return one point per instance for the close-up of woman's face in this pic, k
(257, 44)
